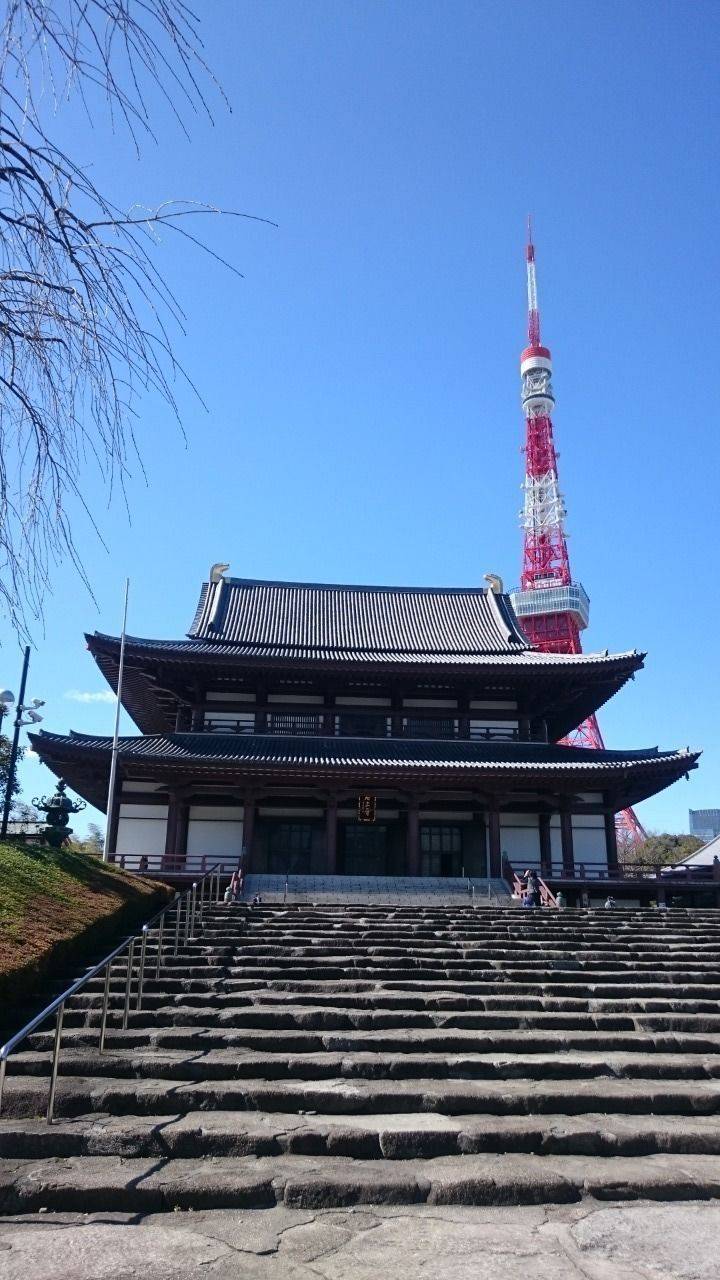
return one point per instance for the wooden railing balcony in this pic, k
(334, 722)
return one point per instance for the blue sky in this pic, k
(361, 381)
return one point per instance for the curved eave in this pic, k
(201, 759)
(573, 685)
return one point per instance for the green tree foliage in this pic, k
(663, 848)
(5, 748)
(94, 840)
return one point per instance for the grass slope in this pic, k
(51, 899)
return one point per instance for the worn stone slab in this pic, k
(390, 1137)
(96, 1183)
(619, 1241)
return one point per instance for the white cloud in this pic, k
(82, 695)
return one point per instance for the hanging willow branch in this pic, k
(85, 316)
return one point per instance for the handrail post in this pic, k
(178, 901)
(106, 999)
(3, 1069)
(128, 982)
(158, 963)
(186, 921)
(193, 904)
(141, 969)
(55, 1060)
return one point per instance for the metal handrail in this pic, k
(187, 910)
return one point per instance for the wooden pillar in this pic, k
(464, 716)
(545, 845)
(331, 836)
(566, 836)
(328, 722)
(412, 853)
(248, 831)
(611, 843)
(495, 859)
(182, 823)
(197, 723)
(261, 715)
(481, 828)
(171, 830)
(396, 715)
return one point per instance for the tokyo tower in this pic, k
(552, 607)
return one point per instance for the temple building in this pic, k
(384, 731)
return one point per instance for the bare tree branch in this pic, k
(85, 315)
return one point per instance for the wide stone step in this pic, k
(216, 998)
(333, 1019)
(109, 1183)
(27, 1096)
(369, 1137)
(378, 1038)
(314, 960)
(347, 1060)
(351, 993)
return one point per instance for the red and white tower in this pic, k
(553, 609)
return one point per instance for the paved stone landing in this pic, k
(639, 1241)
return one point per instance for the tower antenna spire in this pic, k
(552, 607)
(532, 298)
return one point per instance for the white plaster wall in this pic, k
(141, 835)
(215, 837)
(589, 844)
(135, 811)
(521, 843)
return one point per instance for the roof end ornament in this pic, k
(217, 571)
(496, 583)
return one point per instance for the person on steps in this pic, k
(532, 889)
(610, 903)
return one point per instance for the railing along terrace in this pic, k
(177, 921)
(365, 724)
(188, 866)
(587, 870)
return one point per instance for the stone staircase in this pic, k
(332, 1056)
(395, 891)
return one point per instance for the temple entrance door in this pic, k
(440, 850)
(364, 850)
(289, 848)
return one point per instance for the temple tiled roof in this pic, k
(78, 756)
(366, 752)
(297, 618)
(519, 657)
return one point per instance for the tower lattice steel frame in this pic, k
(552, 608)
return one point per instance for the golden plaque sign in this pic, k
(367, 805)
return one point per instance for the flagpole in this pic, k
(114, 755)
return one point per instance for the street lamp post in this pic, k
(33, 718)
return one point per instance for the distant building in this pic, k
(705, 823)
